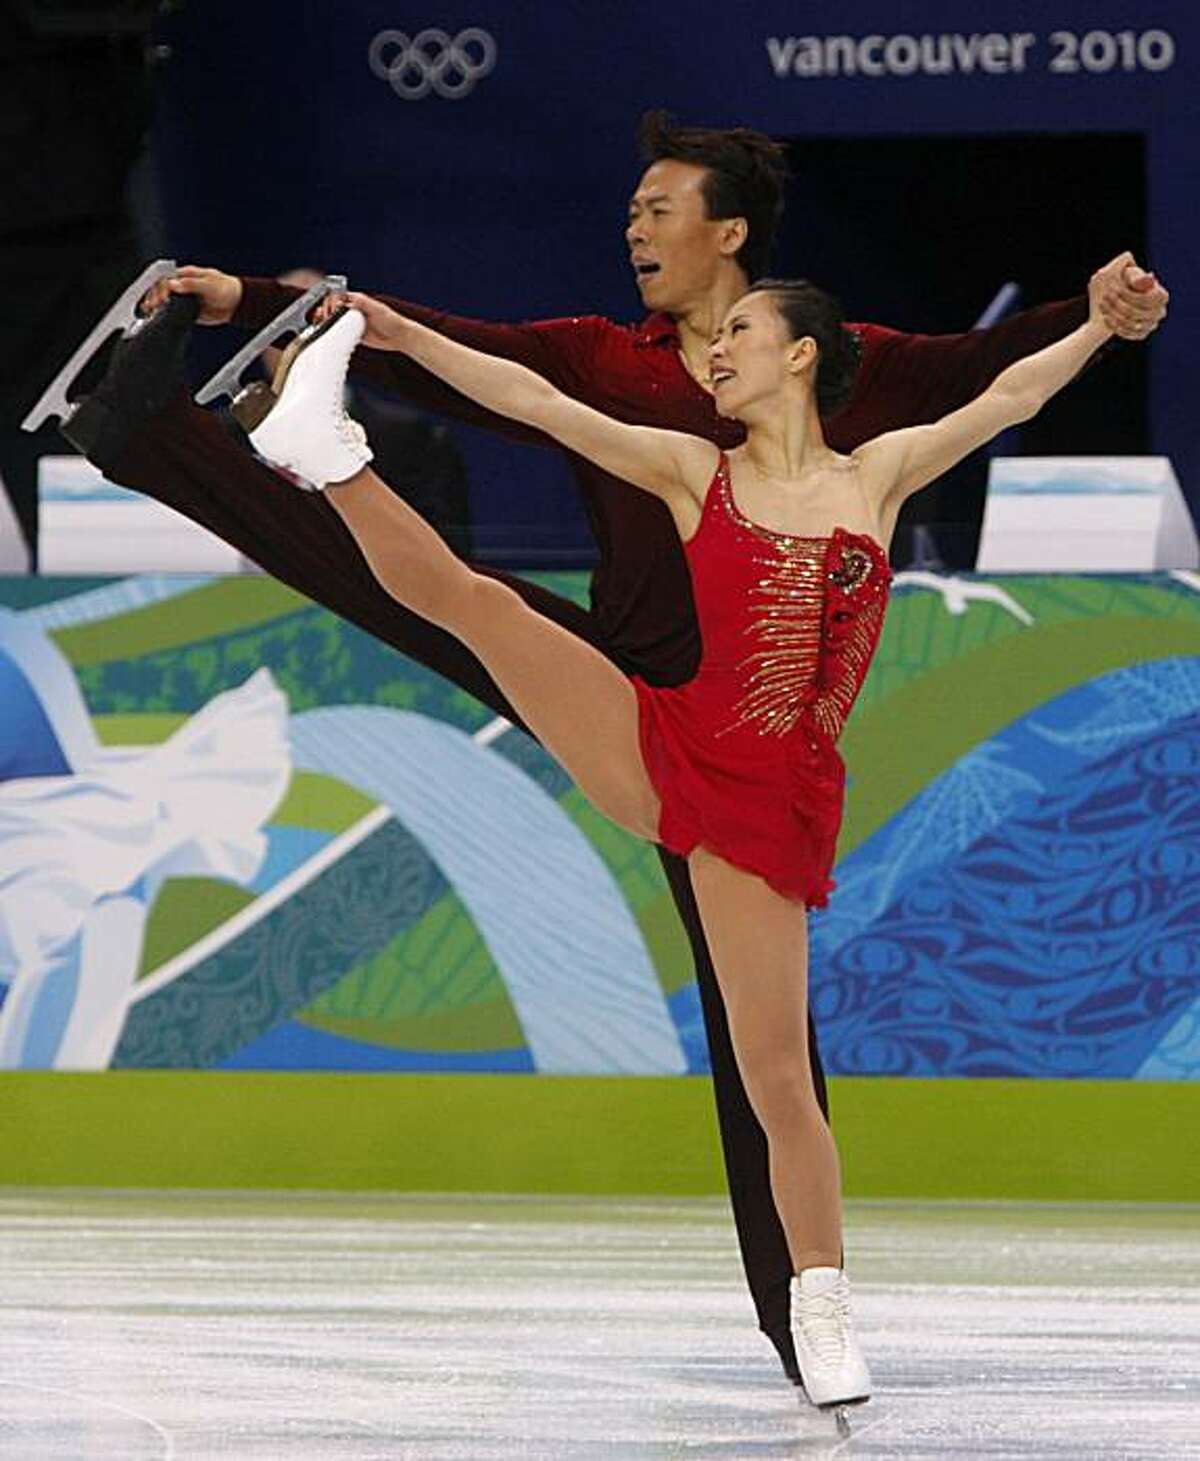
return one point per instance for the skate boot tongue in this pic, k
(815, 1281)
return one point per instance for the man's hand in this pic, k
(1130, 301)
(220, 294)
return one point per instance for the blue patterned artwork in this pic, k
(237, 833)
(1064, 940)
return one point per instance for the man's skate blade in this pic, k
(121, 315)
(227, 381)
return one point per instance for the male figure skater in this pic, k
(700, 228)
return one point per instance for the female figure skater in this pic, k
(737, 770)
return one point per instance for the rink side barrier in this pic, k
(899, 1138)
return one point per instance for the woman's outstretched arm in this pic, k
(900, 463)
(670, 464)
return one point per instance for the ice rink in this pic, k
(332, 1328)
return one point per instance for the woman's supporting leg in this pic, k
(579, 705)
(759, 944)
(761, 1237)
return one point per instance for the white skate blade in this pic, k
(122, 315)
(840, 1410)
(227, 381)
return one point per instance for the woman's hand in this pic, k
(219, 294)
(386, 330)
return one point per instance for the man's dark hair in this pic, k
(747, 171)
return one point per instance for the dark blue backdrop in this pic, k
(281, 147)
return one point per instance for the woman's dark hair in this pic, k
(807, 310)
(746, 170)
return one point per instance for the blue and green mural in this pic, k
(236, 832)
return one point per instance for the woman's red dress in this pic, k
(743, 756)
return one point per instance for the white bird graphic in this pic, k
(958, 592)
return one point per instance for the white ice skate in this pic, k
(306, 430)
(832, 1366)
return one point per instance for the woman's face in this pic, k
(752, 356)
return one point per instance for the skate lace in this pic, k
(349, 431)
(824, 1321)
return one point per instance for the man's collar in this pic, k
(656, 329)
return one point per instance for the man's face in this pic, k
(675, 248)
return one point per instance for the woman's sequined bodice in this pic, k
(788, 624)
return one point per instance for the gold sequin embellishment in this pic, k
(784, 676)
(787, 609)
(854, 655)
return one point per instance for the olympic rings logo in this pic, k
(433, 61)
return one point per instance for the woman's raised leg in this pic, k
(578, 705)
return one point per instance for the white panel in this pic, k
(89, 525)
(1085, 514)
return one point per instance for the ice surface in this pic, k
(460, 1329)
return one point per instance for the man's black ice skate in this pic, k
(144, 372)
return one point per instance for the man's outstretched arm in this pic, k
(909, 380)
(561, 350)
